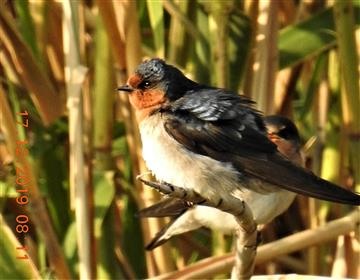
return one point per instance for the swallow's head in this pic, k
(283, 132)
(156, 83)
(281, 127)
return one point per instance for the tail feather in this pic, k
(167, 207)
(299, 180)
(161, 237)
(156, 241)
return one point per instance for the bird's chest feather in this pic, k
(173, 163)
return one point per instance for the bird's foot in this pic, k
(165, 188)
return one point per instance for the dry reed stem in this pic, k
(219, 18)
(51, 37)
(252, 11)
(106, 9)
(42, 92)
(74, 77)
(283, 78)
(175, 12)
(246, 245)
(124, 263)
(339, 265)
(177, 34)
(37, 207)
(349, 66)
(288, 11)
(281, 85)
(266, 56)
(216, 265)
(352, 243)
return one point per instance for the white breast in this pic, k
(171, 162)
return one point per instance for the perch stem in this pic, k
(246, 234)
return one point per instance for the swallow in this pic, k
(213, 141)
(281, 131)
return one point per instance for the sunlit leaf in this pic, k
(156, 15)
(104, 195)
(14, 263)
(308, 38)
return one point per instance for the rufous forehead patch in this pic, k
(134, 81)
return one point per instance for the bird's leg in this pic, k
(247, 233)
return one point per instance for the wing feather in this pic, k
(232, 131)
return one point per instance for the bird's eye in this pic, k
(284, 133)
(145, 84)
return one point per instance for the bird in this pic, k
(213, 141)
(281, 131)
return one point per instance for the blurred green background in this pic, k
(70, 149)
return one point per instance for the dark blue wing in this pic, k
(219, 119)
(225, 127)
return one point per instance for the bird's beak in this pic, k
(126, 88)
